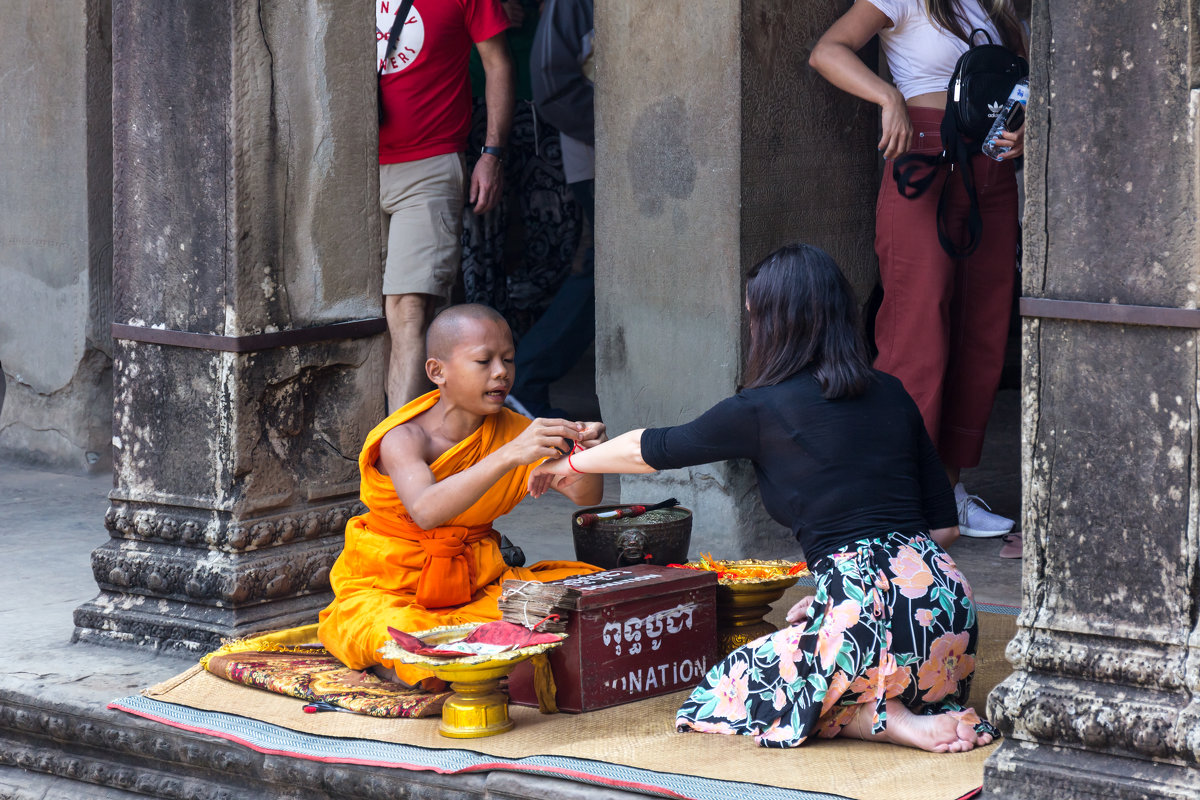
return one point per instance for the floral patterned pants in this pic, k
(892, 618)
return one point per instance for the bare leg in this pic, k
(408, 316)
(937, 733)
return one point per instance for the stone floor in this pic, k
(55, 730)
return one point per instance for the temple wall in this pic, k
(56, 233)
(715, 144)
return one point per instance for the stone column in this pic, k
(246, 260)
(1107, 656)
(56, 233)
(716, 143)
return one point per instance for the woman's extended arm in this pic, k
(836, 58)
(620, 455)
(585, 490)
(727, 430)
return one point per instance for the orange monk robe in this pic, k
(393, 573)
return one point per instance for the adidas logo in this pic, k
(994, 109)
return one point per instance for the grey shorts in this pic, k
(422, 203)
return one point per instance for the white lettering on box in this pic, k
(612, 577)
(675, 620)
(637, 681)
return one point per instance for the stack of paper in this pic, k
(529, 603)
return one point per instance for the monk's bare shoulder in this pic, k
(404, 446)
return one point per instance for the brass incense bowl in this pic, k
(743, 602)
(477, 708)
(658, 537)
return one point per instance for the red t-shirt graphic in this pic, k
(426, 91)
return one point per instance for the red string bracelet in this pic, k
(574, 449)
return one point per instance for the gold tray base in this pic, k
(476, 709)
(741, 608)
(730, 639)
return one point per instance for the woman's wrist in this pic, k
(575, 449)
(892, 99)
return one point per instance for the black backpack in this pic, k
(982, 81)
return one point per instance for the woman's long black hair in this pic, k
(802, 312)
(949, 15)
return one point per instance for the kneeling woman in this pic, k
(886, 648)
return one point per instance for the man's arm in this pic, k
(431, 502)
(488, 177)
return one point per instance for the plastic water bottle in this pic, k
(1010, 118)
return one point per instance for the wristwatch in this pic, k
(488, 150)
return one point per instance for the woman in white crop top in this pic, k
(922, 40)
(943, 324)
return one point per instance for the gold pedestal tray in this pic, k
(477, 708)
(745, 591)
(741, 607)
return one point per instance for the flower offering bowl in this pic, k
(477, 708)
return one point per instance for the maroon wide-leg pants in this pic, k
(944, 322)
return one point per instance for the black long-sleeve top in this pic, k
(834, 471)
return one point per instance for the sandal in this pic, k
(1012, 545)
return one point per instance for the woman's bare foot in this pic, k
(938, 733)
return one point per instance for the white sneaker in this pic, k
(975, 519)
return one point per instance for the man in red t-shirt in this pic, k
(426, 96)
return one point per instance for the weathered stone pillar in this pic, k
(246, 259)
(716, 143)
(1103, 701)
(56, 233)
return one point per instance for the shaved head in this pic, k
(451, 327)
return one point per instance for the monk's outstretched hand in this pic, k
(545, 438)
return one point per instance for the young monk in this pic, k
(435, 475)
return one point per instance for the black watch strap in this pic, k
(488, 150)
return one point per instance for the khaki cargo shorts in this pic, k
(422, 203)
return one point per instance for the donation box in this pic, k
(635, 632)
